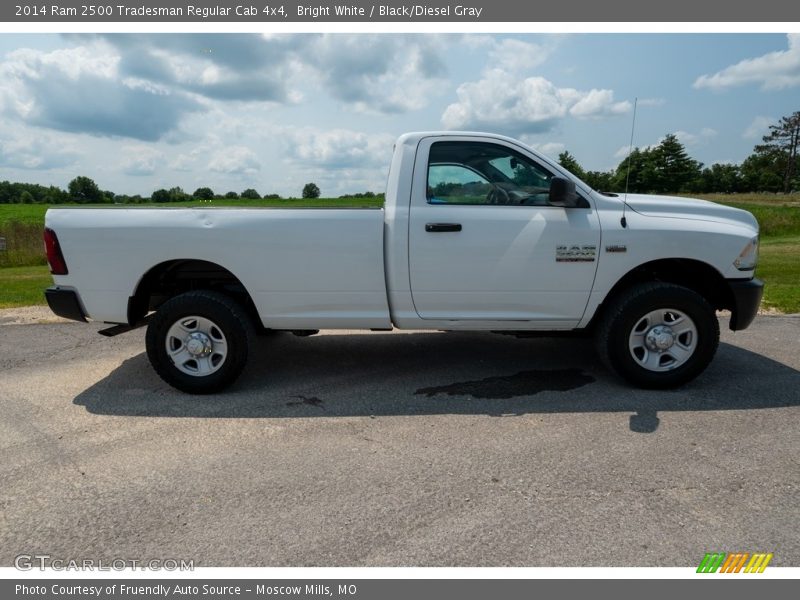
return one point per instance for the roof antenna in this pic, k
(623, 221)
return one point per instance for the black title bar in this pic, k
(470, 11)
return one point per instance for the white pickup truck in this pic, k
(478, 232)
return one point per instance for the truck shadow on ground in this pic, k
(440, 373)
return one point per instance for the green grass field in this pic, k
(22, 277)
(779, 267)
(23, 286)
(765, 199)
(28, 214)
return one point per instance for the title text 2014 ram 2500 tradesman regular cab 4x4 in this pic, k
(478, 232)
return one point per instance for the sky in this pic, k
(138, 112)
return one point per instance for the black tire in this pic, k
(628, 310)
(231, 325)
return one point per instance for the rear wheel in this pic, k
(658, 335)
(198, 342)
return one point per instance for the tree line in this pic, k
(667, 167)
(83, 190)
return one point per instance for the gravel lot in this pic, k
(396, 449)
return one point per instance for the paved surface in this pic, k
(397, 449)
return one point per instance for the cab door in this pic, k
(484, 245)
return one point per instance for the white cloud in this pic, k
(28, 65)
(378, 73)
(182, 162)
(43, 151)
(597, 104)
(772, 71)
(503, 99)
(234, 160)
(478, 41)
(503, 102)
(692, 139)
(552, 149)
(202, 147)
(144, 86)
(517, 56)
(338, 148)
(758, 128)
(686, 138)
(140, 160)
(339, 160)
(223, 67)
(80, 90)
(97, 60)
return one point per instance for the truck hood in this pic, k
(677, 207)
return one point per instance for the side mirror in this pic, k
(562, 193)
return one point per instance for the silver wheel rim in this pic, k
(196, 346)
(663, 340)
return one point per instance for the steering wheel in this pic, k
(498, 195)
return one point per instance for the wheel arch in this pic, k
(694, 274)
(169, 278)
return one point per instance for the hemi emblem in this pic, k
(576, 253)
(616, 248)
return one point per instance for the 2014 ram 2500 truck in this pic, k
(478, 232)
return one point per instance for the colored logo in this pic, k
(734, 562)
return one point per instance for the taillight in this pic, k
(55, 258)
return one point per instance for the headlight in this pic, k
(748, 257)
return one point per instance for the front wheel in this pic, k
(658, 335)
(198, 342)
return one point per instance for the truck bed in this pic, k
(304, 268)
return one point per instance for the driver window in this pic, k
(482, 173)
(456, 184)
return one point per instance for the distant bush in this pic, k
(85, 191)
(161, 195)
(311, 190)
(12, 193)
(362, 195)
(203, 193)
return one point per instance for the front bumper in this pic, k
(746, 300)
(64, 303)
